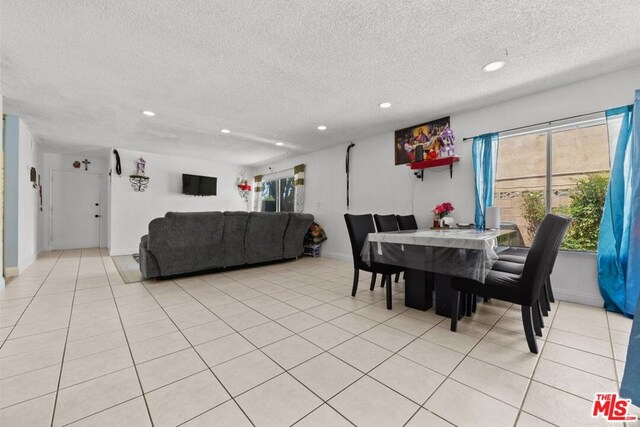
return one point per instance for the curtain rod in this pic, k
(548, 122)
(274, 172)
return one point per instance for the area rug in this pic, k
(129, 268)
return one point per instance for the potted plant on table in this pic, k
(440, 211)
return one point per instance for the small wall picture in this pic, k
(414, 143)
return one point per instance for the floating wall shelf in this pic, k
(138, 183)
(443, 161)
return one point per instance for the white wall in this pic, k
(28, 210)
(132, 211)
(378, 186)
(1, 195)
(56, 161)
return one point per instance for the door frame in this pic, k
(100, 176)
(2, 208)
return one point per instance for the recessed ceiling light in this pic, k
(384, 105)
(493, 66)
(148, 113)
(225, 131)
(279, 144)
(322, 127)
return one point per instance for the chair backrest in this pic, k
(359, 226)
(543, 251)
(407, 222)
(386, 222)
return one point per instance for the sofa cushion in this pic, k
(265, 236)
(235, 227)
(183, 242)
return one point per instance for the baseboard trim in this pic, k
(578, 297)
(338, 256)
(123, 252)
(26, 263)
(11, 271)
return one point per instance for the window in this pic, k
(562, 167)
(278, 195)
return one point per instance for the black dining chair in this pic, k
(387, 223)
(359, 226)
(523, 289)
(407, 222)
(513, 263)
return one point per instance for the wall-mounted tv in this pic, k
(196, 185)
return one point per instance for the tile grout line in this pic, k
(124, 331)
(456, 367)
(323, 287)
(535, 367)
(285, 371)
(364, 374)
(354, 335)
(30, 301)
(210, 369)
(328, 321)
(102, 410)
(55, 401)
(613, 353)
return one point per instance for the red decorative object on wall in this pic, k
(432, 163)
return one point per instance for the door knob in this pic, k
(97, 216)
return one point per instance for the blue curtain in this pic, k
(619, 239)
(485, 156)
(630, 387)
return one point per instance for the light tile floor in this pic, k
(280, 345)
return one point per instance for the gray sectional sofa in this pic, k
(187, 242)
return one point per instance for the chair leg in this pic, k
(539, 310)
(527, 322)
(388, 279)
(356, 277)
(547, 285)
(486, 299)
(468, 305)
(537, 319)
(544, 302)
(382, 282)
(455, 309)
(404, 276)
(373, 281)
(397, 277)
(474, 303)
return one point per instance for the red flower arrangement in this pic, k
(443, 209)
(244, 189)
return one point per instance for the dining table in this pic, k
(433, 257)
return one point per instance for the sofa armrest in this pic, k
(187, 242)
(297, 227)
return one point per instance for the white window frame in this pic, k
(277, 176)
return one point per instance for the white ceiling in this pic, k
(80, 72)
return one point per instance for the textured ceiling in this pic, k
(80, 72)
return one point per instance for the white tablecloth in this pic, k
(456, 252)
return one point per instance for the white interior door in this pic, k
(75, 209)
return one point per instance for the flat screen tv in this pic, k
(196, 185)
